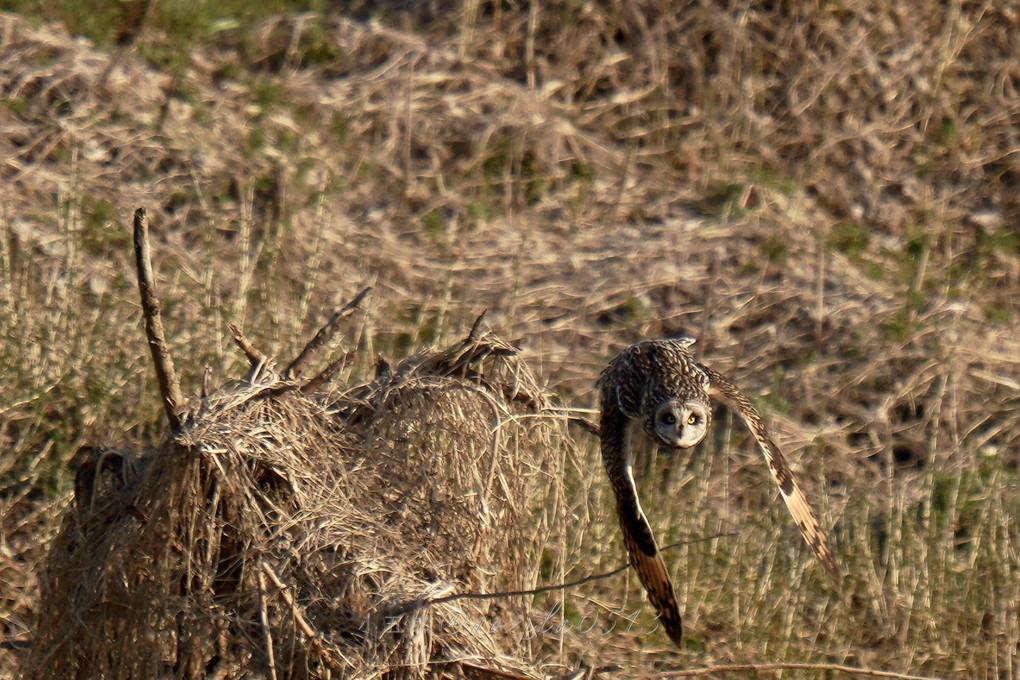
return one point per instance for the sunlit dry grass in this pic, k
(826, 200)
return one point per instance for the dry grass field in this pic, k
(826, 195)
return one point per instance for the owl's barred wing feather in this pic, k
(651, 570)
(644, 555)
(803, 514)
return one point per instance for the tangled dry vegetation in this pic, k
(295, 528)
(826, 196)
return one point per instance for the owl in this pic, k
(659, 388)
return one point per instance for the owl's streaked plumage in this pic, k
(659, 386)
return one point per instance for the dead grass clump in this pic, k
(281, 532)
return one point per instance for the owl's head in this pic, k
(679, 423)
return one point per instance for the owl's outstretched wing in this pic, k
(803, 514)
(642, 551)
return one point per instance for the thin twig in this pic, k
(820, 295)
(476, 671)
(817, 668)
(327, 373)
(476, 328)
(585, 424)
(264, 618)
(560, 586)
(206, 382)
(128, 33)
(534, 591)
(299, 618)
(169, 387)
(324, 334)
(255, 357)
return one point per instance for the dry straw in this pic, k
(285, 531)
(802, 187)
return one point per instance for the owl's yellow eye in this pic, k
(691, 419)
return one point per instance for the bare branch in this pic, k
(169, 386)
(206, 382)
(585, 424)
(297, 612)
(324, 334)
(556, 586)
(327, 373)
(476, 328)
(266, 629)
(299, 617)
(255, 357)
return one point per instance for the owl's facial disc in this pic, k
(680, 424)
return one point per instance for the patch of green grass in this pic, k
(184, 23)
(60, 153)
(169, 57)
(302, 167)
(100, 229)
(535, 180)
(770, 178)
(508, 161)
(16, 105)
(629, 311)
(255, 142)
(479, 211)
(186, 90)
(851, 238)
(339, 126)
(583, 172)
(1004, 241)
(773, 248)
(948, 134)
(722, 198)
(497, 159)
(433, 224)
(874, 271)
(898, 327)
(918, 241)
(428, 330)
(998, 313)
(200, 114)
(269, 94)
(774, 401)
(317, 46)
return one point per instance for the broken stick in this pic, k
(324, 334)
(169, 387)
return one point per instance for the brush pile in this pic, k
(287, 528)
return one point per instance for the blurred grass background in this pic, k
(826, 195)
